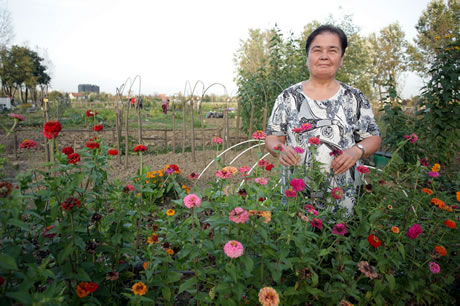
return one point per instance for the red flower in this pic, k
(92, 145)
(5, 189)
(269, 167)
(73, 158)
(91, 287)
(314, 141)
(175, 168)
(69, 203)
(140, 148)
(374, 241)
(261, 199)
(98, 128)
(28, 144)
(2, 280)
(193, 176)
(290, 193)
(90, 113)
(51, 129)
(67, 151)
(362, 169)
(112, 152)
(45, 233)
(337, 193)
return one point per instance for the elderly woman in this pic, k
(339, 115)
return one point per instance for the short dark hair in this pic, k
(328, 28)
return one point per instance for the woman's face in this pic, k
(325, 56)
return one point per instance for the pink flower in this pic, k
(297, 184)
(308, 207)
(414, 231)
(297, 130)
(17, 116)
(434, 267)
(314, 141)
(259, 135)
(262, 163)
(339, 229)
(169, 170)
(261, 180)
(312, 211)
(299, 150)
(223, 174)
(306, 126)
(278, 148)
(129, 188)
(217, 140)
(362, 169)
(335, 153)
(412, 138)
(245, 169)
(192, 200)
(433, 174)
(290, 193)
(233, 249)
(315, 222)
(337, 193)
(239, 215)
(424, 162)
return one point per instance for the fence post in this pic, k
(166, 139)
(193, 130)
(183, 127)
(174, 126)
(238, 122)
(251, 121)
(15, 145)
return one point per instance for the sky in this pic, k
(167, 43)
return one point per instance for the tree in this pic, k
(438, 26)
(6, 28)
(389, 60)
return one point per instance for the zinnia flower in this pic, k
(28, 144)
(139, 288)
(440, 250)
(458, 196)
(112, 152)
(337, 193)
(395, 229)
(450, 224)
(414, 231)
(269, 167)
(242, 192)
(261, 180)
(269, 297)
(17, 117)
(153, 239)
(193, 176)
(262, 163)
(374, 241)
(230, 169)
(290, 193)
(170, 212)
(315, 222)
(433, 174)
(90, 113)
(98, 128)
(335, 153)
(362, 169)
(314, 141)
(217, 140)
(45, 233)
(192, 200)
(69, 203)
(339, 229)
(278, 148)
(436, 168)
(434, 267)
(51, 129)
(297, 184)
(427, 191)
(128, 188)
(239, 215)
(244, 169)
(140, 148)
(258, 135)
(223, 174)
(233, 249)
(299, 150)
(92, 145)
(146, 264)
(367, 270)
(73, 158)
(67, 150)
(307, 126)
(424, 162)
(297, 130)
(170, 252)
(5, 189)
(112, 276)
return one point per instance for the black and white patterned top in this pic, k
(339, 122)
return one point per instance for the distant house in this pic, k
(75, 96)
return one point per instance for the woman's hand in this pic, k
(289, 157)
(346, 160)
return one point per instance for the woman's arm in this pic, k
(288, 156)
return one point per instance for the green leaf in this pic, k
(174, 277)
(22, 297)
(166, 292)
(187, 285)
(391, 281)
(323, 252)
(7, 262)
(19, 224)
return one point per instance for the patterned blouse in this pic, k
(339, 122)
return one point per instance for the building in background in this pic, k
(83, 88)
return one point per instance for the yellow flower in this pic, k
(139, 288)
(269, 297)
(170, 212)
(448, 36)
(436, 168)
(170, 251)
(437, 37)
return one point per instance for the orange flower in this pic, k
(266, 214)
(153, 239)
(146, 264)
(170, 212)
(269, 297)
(395, 229)
(436, 168)
(170, 251)
(81, 290)
(437, 202)
(427, 191)
(450, 224)
(440, 250)
(139, 288)
(458, 196)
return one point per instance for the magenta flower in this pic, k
(262, 163)
(362, 169)
(434, 267)
(223, 174)
(306, 126)
(414, 231)
(129, 187)
(433, 174)
(261, 180)
(339, 229)
(297, 130)
(297, 184)
(192, 200)
(314, 141)
(258, 135)
(424, 162)
(412, 138)
(245, 169)
(290, 193)
(233, 249)
(278, 148)
(299, 150)
(17, 116)
(169, 170)
(315, 222)
(239, 215)
(337, 193)
(217, 140)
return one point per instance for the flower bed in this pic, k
(71, 236)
